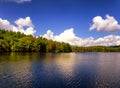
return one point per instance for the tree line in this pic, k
(18, 42)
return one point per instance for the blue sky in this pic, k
(59, 15)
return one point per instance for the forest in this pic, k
(18, 42)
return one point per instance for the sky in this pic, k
(78, 22)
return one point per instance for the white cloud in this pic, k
(69, 36)
(29, 30)
(5, 24)
(110, 40)
(16, 1)
(22, 1)
(21, 22)
(49, 35)
(24, 25)
(109, 24)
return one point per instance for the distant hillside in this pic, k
(18, 42)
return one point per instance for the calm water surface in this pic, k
(60, 70)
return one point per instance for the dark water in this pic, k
(60, 70)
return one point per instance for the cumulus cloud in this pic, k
(110, 40)
(16, 1)
(69, 36)
(109, 24)
(5, 24)
(49, 35)
(23, 25)
(24, 22)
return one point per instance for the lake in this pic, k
(60, 70)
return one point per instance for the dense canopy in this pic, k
(18, 42)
